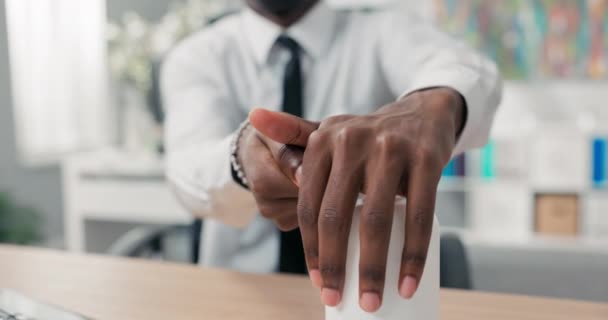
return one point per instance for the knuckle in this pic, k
(286, 225)
(390, 144)
(306, 216)
(414, 259)
(259, 185)
(376, 221)
(316, 139)
(336, 119)
(348, 140)
(290, 156)
(282, 226)
(422, 219)
(265, 211)
(373, 274)
(347, 134)
(427, 156)
(331, 218)
(312, 252)
(330, 270)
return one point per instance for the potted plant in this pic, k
(135, 49)
(18, 224)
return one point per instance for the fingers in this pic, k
(287, 158)
(266, 180)
(275, 194)
(314, 175)
(282, 127)
(281, 211)
(376, 219)
(335, 219)
(287, 223)
(422, 190)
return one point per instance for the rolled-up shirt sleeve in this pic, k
(415, 55)
(201, 120)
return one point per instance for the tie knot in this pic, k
(289, 43)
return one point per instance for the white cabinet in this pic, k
(110, 185)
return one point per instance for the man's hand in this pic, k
(399, 150)
(270, 168)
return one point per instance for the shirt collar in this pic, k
(314, 32)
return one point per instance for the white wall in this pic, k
(420, 7)
(40, 187)
(348, 3)
(149, 9)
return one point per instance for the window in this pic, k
(59, 76)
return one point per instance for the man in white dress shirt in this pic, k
(414, 97)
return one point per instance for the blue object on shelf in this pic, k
(450, 169)
(599, 161)
(487, 161)
(460, 165)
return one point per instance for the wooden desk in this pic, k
(116, 289)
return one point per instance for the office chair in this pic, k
(454, 267)
(153, 243)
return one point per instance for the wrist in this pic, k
(444, 101)
(242, 143)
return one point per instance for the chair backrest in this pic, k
(454, 265)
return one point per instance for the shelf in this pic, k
(581, 243)
(453, 184)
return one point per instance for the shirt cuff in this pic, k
(467, 83)
(227, 201)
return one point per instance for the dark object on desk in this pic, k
(17, 306)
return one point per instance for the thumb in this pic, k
(282, 127)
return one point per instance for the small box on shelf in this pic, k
(557, 214)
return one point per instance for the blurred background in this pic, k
(81, 164)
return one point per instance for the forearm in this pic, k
(424, 58)
(478, 84)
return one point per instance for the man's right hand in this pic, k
(270, 168)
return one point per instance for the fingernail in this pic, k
(330, 297)
(315, 277)
(298, 175)
(370, 302)
(408, 287)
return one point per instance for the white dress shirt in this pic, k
(353, 62)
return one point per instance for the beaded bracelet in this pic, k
(238, 175)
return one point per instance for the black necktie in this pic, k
(291, 258)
